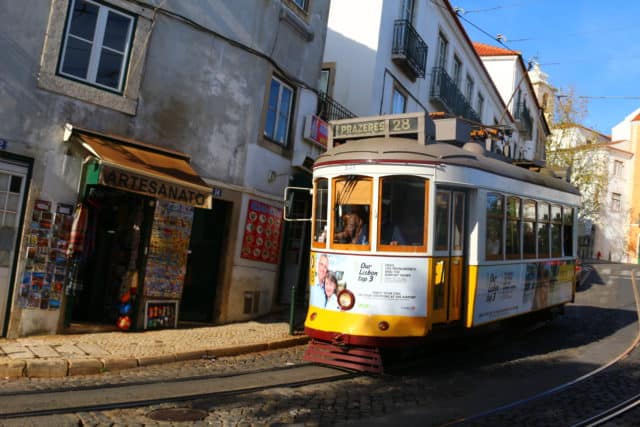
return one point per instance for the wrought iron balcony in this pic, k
(523, 118)
(445, 92)
(409, 51)
(329, 109)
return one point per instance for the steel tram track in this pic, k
(63, 400)
(600, 416)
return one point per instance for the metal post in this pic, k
(292, 309)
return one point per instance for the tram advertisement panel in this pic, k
(507, 290)
(380, 285)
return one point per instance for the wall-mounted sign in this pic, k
(379, 127)
(3, 144)
(316, 130)
(154, 187)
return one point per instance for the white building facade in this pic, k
(385, 57)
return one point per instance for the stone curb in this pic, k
(50, 368)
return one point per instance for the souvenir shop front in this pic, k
(129, 236)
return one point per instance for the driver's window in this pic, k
(352, 210)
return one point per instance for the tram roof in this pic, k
(403, 150)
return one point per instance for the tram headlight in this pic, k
(346, 299)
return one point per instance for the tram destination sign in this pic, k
(378, 127)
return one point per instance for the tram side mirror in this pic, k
(297, 203)
(439, 273)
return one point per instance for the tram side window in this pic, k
(320, 212)
(495, 218)
(543, 230)
(400, 226)
(556, 231)
(528, 228)
(567, 225)
(513, 227)
(352, 210)
(442, 220)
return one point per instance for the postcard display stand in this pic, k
(166, 264)
(43, 278)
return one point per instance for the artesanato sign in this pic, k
(154, 187)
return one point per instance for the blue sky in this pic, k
(591, 46)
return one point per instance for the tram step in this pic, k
(356, 358)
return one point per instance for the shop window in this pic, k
(514, 221)
(556, 231)
(320, 212)
(542, 230)
(352, 210)
(278, 111)
(528, 228)
(399, 226)
(96, 45)
(495, 218)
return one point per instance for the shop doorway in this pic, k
(209, 235)
(117, 223)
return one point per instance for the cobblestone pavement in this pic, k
(62, 355)
(451, 383)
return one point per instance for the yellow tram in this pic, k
(409, 235)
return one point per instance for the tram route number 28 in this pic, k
(401, 125)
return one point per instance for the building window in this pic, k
(617, 168)
(302, 4)
(398, 102)
(278, 111)
(469, 88)
(480, 105)
(457, 70)
(615, 202)
(323, 82)
(96, 45)
(407, 10)
(442, 51)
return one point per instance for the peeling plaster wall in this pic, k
(199, 93)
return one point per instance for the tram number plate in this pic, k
(409, 124)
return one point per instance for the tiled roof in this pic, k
(487, 50)
(636, 118)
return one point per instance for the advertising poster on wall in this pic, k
(262, 229)
(507, 290)
(380, 285)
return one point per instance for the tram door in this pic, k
(446, 269)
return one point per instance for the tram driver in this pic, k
(354, 229)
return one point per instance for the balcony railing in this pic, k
(329, 109)
(409, 51)
(523, 116)
(445, 92)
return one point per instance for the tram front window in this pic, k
(320, 212)
(400, 226)
(352, 210)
